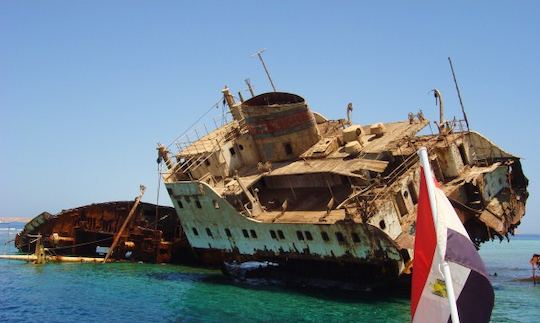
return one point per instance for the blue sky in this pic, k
(87, 88)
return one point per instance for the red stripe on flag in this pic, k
(425, 243)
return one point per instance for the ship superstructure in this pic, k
(327, 198)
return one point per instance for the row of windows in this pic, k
(197, 203)
(279, 235)
(232, 151)
(324, 235)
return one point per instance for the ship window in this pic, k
(299, 235)
(340, 237)
(207, 162)
(209, 232)
(280, 234)
(355, 237)
(412, 190)
(382, 225)
(198, 203)
(253, 233)
(195, 232)
(325, 236)
(288, 148)
(462, 153)
(216, 204)
(241, 147)
(180, 205)
(228, 232)
(273, 234)
(308, 235)
(232, 151)
(245, 233)
(400, 204)
(437, 169)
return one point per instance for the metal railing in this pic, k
(199, 142)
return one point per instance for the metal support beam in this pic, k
(124, 225)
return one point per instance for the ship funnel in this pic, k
(281, 124)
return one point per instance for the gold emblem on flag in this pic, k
(439, 288)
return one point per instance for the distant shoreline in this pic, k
(14, 219)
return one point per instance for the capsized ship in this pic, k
(328, 198)
(89, 230)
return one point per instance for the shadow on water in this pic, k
(321, 290)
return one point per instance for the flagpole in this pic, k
(430, 184)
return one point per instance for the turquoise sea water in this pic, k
(167, 293)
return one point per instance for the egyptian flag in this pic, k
(473, 291)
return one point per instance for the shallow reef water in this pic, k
(128, 292)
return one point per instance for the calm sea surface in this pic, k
(167, 293)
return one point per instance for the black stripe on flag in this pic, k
(475, 302)
(460, 250)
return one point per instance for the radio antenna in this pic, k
(459, 94)
(259, 54)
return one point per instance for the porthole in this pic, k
(340, 237)
(299, 235)
(253, 234)
(195, 232)
(280, 234)
(245, 233)
(209, 232)
(382, 224)
(308, 235)
(216, 204)
(228, 232)
(273, 234)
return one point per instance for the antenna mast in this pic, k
(259, 54)
(250, 88)
(459, 94)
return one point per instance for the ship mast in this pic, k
(259, 54)
(459, 94)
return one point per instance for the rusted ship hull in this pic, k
(88, 231)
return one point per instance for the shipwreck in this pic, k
(323, 198)
(130, 230)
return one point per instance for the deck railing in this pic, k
(197, 144)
